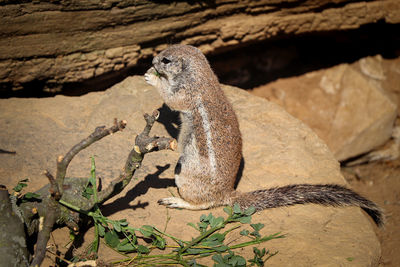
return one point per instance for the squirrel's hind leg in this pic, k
(176, 202)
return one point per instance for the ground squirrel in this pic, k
(211, 146)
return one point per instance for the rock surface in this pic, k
(351, 107)
(57, 42)
(278, 150)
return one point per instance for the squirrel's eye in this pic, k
(165, 60)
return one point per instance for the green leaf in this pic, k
(213, 240)
(123, 222)
(143, 249)
(86, 195)
(228, 210)
(246, 219)
(202, 226)
(236, 209)
(31, 197)
(217, 258)
(258, 257)
(159, 242)
(222, 265)
(133, 238)
(241, 261)
(229, 259)
(222, 248)
(237, 260)
(88, 192)
(20, 185)
(244, 232)
(111, 238)
(211, 243)
(124, 242)
(103, 220)
(146, 230)
(217, 236)
(128, 247)
(249, 211)
(196, 251)
(255, 234)
(116, 226)
(193, 263)
(209, 217)
(193, 225)
(258, 252)
(101, 229)
(257, 226)
(216, 222)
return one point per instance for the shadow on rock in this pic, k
(150, 181)
(170, 119)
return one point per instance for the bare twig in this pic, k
(52, 211)
(146, 143)
(56, 188)
(143, 144)
(99, 133)
(44, 234)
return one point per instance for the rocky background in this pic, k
(49, 44)
(334, 64)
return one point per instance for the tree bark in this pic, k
(13, 248)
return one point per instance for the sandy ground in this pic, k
(380, 182)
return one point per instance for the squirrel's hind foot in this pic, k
(176, 202)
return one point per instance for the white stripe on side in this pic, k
(207, 130)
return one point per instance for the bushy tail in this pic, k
(323, 194)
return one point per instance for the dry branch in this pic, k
(99, 133)
(61, 190)
(56, 187)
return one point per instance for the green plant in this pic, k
(124, 239)
(29, 196)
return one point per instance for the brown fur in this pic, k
(211, 145)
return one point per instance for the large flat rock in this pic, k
(278, 150)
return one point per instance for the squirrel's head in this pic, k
(183, 74)
(180, 60)
(169, 64)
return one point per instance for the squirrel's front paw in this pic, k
(151, 76)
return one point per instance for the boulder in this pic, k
(278, 150)
(351, 107)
